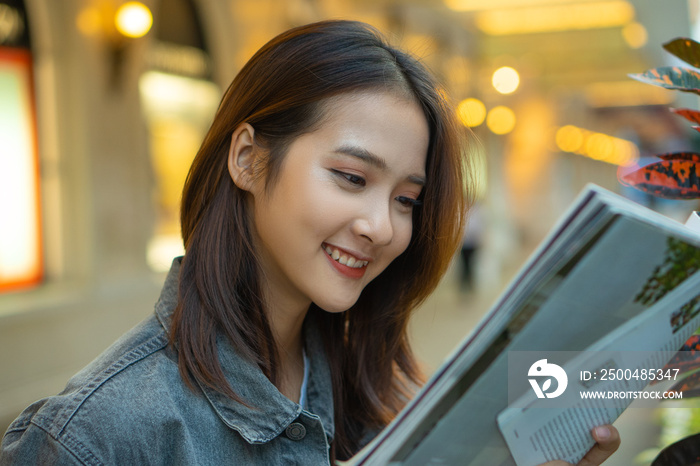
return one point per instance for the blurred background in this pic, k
(103, 104)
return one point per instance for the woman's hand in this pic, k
(608, 440)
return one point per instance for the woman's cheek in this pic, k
(405, 232)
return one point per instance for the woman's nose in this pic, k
(375, 224)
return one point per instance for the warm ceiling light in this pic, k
(596, 146)
(500, 120)
(505, 80)
(635, 35)
(471, 112)
(477, 5)
(133, 19)
(569, 138)
(575, 16)
(89, 21)
(599, 146)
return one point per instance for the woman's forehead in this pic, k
(388, 126)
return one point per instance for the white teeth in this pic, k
(344, 259)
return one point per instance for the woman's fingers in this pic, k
(607, 441)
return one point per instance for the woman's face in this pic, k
(341, 208)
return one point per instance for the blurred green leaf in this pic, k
(671, 77)
(686, 49)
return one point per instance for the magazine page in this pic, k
(599, 383)
(575, 307)
(577, 287)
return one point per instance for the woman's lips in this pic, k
(344, 262)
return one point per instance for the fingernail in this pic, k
(602, 433)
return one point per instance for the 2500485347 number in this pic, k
(638, 374)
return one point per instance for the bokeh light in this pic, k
(471, 112)
(133, 19)
(500, 120)
(596, 146)
(599, 146)
(505, 80)
(569, 138)
(89, 21)
(549, 18)
(635, 35)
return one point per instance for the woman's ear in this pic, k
(241, 156)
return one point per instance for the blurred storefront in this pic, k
(104, 103)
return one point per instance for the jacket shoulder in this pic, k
(98, 404)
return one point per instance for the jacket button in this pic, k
(296, 431)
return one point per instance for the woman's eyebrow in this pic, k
(364, 155)
(419, 180)
(374, 160)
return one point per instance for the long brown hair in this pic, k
(280, 92)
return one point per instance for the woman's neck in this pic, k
(286, 323)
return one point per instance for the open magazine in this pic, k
(614, 288)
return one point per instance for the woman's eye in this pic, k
(350, 178)
(408, 202)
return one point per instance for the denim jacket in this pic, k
(130, 406)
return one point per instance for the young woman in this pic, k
(324, 205)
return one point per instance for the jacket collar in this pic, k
(270, 412)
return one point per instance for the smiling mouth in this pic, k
(344, 258)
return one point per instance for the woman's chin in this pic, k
(335, 306)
